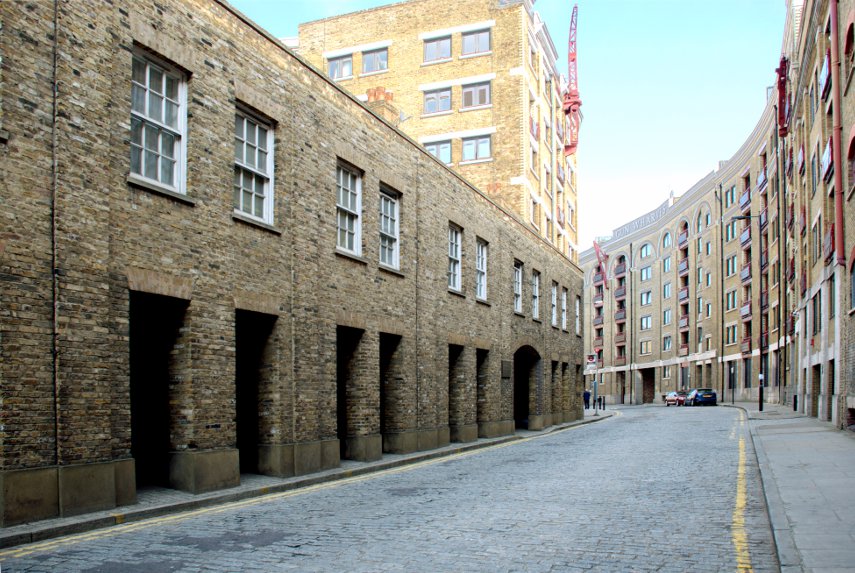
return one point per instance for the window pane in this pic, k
(138, 71)
(171, 118)
(171, 87)
(155, 106)
(137, 98)
(155, 80)
(151, 165)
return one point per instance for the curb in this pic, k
(789, 558)
(34, 532)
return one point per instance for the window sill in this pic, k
(391, 270)
(435, 62)
(851, 312)
(159, 189)
(342, 79)
(476, 161)
(352, 256)
(475, 108)
(537, 320)
(375, 73)
(475, 55)
(483, 302)
(238, 216)
(437, 114)
(456, 293)
(518, 313)
(4, 135)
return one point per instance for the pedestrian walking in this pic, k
(587, 397)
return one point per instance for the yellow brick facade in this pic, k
(411, 55)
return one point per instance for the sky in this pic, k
(669, 88)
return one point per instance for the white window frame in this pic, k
(563, 309)
(349, 215)
(438, 43)
(439, 97)
(476, 36)
(334, 67)
(554, 303)
(666, 316)
(480, 95)
(645, 251)
(455, 235)
(252, 169)
(646, 273)
(578, 315)
(482, 251)
(646, 298)
(477, 143)
(518, 280)
(666, 343)
(535, 294)
(390, 216)
(646, 322)
(436, 148)
(146, 123)
(371, 57)
(666, 264)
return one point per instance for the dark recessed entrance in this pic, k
(155, 359)
(347, 343)
(526, 363)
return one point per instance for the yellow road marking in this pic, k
(738, 534)
(144, 524)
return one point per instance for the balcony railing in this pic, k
(598, 299)
(620, 293)
(598, 320)
(683, 267)
(683, 239)
(826, 164)
(597, 342)
(791, 324)
(620, 360)
(745, 273)
(803, 220)
(791, 269)
(683, 323)
(598, 279)
(745, 311)
(620, 337)
(745, 201)
(791, 216)
(746, 345)
(825, 76)
(828, 244)
(620, 270)
(764, 340)
(764, 300)
(761, 180)
(745, 237)
(683, 294)
(764, 259)
(764, 218)
(800, 160)
(684, 350)
(804, 283)
(620, 315)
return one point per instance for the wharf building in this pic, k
(744, 283)
(215, 261)
(476, 83)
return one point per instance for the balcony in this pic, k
(684, 350)
(764, 340)
(803, 221)
(764, 218)
(762, 180)
(534, 129)
(598, 279)
(825, 76)
(620, 360)
(620, 270)
(620, 293)
(745, 201)
(788, 165)
(620, 316)
(791, 325)
(683, 267)
(745, 273)
(764, 259)
(561, 175)
(746, 345)
(683, 294)
(791, 216)
(804, 283)
(597, 342)
(620, 337)
(683, 239)
(745, 237)
(800, 160)
(598, 320)
(683, 323)
(826, 164)
(745, 311)
(764, 300)
(598, 299)
(828, 244)
(791, 269)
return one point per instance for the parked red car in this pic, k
(676, 398)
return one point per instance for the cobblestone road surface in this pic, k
(653, 489)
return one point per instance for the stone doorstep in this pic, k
(58, 527)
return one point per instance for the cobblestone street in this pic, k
(652, 489)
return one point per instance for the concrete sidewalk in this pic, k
(154, 502)
(808, 472)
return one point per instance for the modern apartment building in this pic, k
(215, 261)
(744, 283)
(476, 83)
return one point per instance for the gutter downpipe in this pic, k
(54, 255)
(836, 135)
(721, 363)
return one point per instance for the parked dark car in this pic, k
(676, 398)
(702, 397)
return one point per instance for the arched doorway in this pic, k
(527, 377)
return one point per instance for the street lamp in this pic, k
(761, 375)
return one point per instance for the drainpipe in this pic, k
(721, 363)
(53, 242)
(836, 155)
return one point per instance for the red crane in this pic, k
(572, 100)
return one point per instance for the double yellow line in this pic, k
(737, 532)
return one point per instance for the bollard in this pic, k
(795, 403)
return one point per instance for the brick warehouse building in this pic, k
(216, 261)
(751, 271)
(476, 82)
